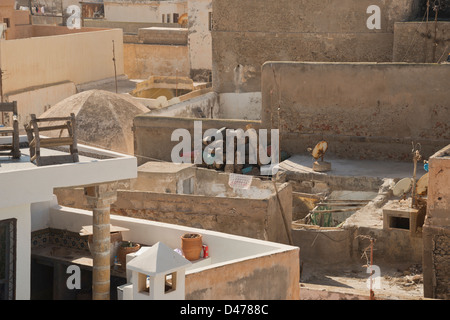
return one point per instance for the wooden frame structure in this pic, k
(36, 141)
(11, 107)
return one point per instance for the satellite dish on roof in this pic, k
(318, 153)
(402, 187)
(183, 19)
(422, 185)
(319, 150)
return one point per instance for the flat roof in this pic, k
(24, 182)
(353, 168)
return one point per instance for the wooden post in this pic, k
(100, 198)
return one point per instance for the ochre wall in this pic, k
(415, 41)
(363, 110)
(274, 277)
(79, 57)
(144, 60)
(436, 230)
(249, 33)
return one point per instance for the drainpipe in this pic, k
(100, 198)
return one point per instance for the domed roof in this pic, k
(104, 119)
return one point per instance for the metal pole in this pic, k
(115, 70)
(372, 294)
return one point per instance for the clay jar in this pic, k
(191, 246)
(125, 248)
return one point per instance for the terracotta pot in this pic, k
(191, 246)
(123, 251)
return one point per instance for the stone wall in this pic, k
(142, 61)
(415, 42)
(167, 36)
(436, 230)
(248, 33)
(245, 216)
(152, 134)
(273, 277)
(200, 51)
(364, 110)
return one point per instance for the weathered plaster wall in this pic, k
(40, 99)
(79, 57)
(415, 41)
(167, 36)
(436, 230)
(152, 134)
(268, 270)
(238, 216)
(363, 110)
(142, 10)
(240, 105)
(276, 276)
(249, 33)
(144, 60)
(127, 27)
(250, 217)
(200, 46)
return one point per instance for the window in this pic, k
(175, 17)
(399, 223)
(168, 18)
(6, 20)
(185, 186)
(143, 283)
(170, 282)
(8, 234)
(163, 18)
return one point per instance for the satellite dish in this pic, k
(422, 185)
(183, 19)
(402, 187)
(319, 150)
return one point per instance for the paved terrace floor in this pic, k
(7, 163)
(354, 168)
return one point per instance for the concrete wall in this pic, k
(246, 215)
(152, 134)
(436, 230)
(237, 105)
(200, 46)
(79, 57)
(40, 99)
(258, 270)
(17, 19)
(249, 33)
(415, 42)
(127, 27)
(142, 10)
(363, 110)
(167, 36)
(143, 60)
(272, 277)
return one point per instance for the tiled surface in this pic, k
(62, 238)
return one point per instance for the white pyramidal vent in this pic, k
(157, 260)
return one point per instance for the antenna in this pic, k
(114, 61)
